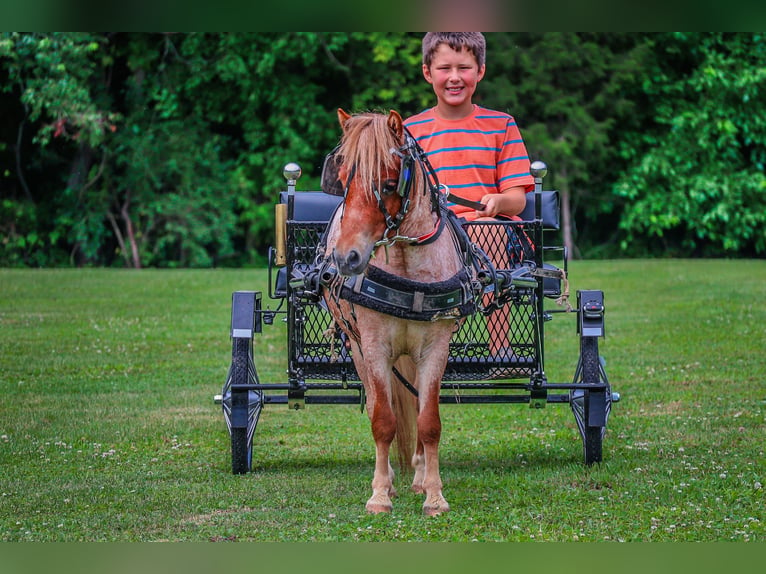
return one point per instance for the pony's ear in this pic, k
(343, 117)
(395, 123)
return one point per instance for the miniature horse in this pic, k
(392, 216)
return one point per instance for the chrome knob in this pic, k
(292, 172)
(538, 169)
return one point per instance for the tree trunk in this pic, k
(19, 163)
(566, 217)
(125, 212)
(120, 239)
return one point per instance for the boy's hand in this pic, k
(492, 203)
(509, 202)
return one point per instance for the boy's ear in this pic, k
(343, 117)
(482, 69)
(427, 74)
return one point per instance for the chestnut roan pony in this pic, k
(397, 279)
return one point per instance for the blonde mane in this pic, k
(366, 143)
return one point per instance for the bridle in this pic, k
(412, 158)
(438, 302)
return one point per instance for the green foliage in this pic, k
(387, 68)
(181, 205)
(22, 245)
(565, 91)
(167, 149)
(57, 77)
(696, 182)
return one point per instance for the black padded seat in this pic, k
(312, 205)
(319, 206)
(550, 214)
(549, 201)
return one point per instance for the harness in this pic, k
(405, 298)
(391, 294)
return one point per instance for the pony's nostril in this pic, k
(353, 259)
(351, 264)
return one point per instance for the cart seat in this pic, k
(317, 206)
(312, 205)
(549, 202)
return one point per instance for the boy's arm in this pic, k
(511, 201)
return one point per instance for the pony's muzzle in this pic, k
(352, 263)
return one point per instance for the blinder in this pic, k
(332, 185)
(330, 180)
(406, 173)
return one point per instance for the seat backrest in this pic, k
(319, 206)
(312, 205)
(549, 201)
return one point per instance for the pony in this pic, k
(397, 284)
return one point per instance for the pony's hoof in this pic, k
(435, 510)
(375, 508)
(435, 506)
(418, 489)
(378, 504)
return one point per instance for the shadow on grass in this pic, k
(493, 460)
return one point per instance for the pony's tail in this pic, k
(405, 406)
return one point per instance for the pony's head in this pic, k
(376, 173)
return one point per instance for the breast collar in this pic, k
(404, 298)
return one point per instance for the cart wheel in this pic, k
(241, 452)
(241, 407)
(590, 371)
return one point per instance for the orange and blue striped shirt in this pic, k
(476, 155)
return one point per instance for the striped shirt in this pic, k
(476, 155)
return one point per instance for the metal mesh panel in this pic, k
(513, 324)
(320, 352)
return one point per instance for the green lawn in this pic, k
(108, 430)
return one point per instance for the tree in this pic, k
(62, 105)
(695, 184)
(167, 149)
(564, 89)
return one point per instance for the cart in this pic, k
(319, 365)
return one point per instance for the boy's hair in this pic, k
(474, 42)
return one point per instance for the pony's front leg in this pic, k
(383, 423)
(419, 464)
(429, 434)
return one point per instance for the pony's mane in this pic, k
(366, 143)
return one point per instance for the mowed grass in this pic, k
(108, 430)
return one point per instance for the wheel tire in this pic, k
(591, 374)
(241, 452)
(241, 447)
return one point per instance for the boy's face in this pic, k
(454, 77)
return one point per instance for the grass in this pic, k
(108, 429)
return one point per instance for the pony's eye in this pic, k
(390, 185)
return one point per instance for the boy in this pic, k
(476, 152)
